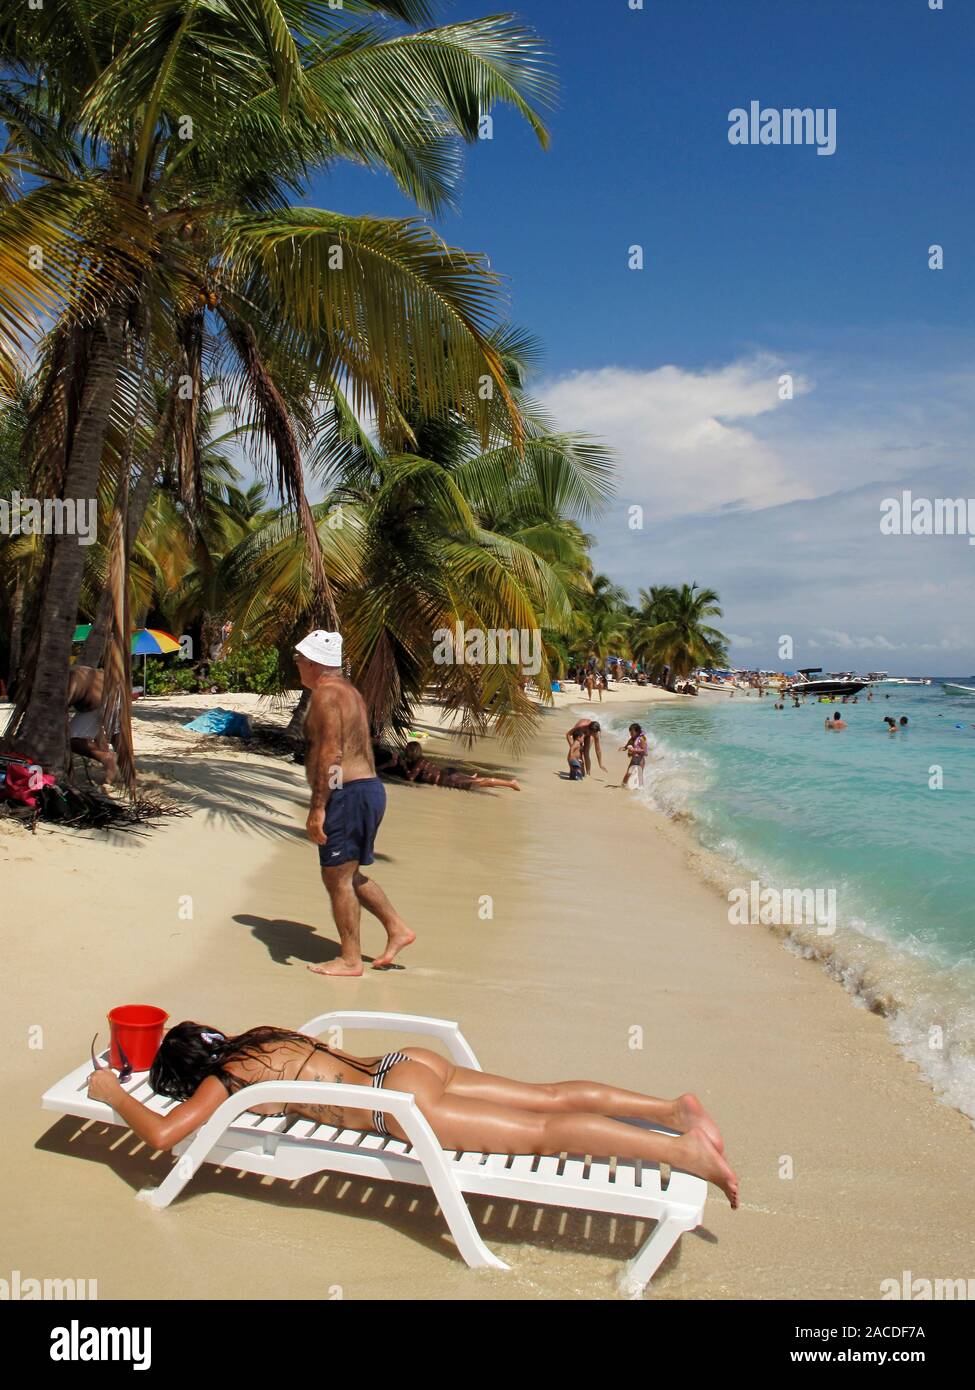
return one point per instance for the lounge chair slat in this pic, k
(302, 1129)
(574, 1170)
(523, 1164)
(248, 1120)
(625, 1176)
(498, 1163)
(599, 1173)
(272, 1124)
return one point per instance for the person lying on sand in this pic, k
(347, 803)
(416, 768)
(468, 1110)
(588, 732)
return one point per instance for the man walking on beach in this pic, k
(347, 802)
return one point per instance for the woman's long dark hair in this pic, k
(190, 1052)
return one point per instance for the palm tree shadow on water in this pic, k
(411, 1211)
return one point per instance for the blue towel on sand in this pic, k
(221, 721)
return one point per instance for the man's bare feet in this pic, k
(689, 1113)
(339, 967)
(397, 939)
(703, 1160)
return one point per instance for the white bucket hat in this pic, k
(323, 647)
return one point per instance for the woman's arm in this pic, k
(161, 1131)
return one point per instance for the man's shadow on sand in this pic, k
(287, 941)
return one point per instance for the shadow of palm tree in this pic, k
(248, 796)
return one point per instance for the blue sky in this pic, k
(759, 261)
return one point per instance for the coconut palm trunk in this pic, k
(41, 729)
(16, 635)
(93, 649)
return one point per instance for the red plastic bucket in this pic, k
(139, 1028)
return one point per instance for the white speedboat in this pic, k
(808, 681)
(953, 689)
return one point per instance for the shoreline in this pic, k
(600, 925)
(913, 992)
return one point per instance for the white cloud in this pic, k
(685, 440)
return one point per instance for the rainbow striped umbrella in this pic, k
(147, 641)
(150, 641)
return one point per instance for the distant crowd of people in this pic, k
(594, 679)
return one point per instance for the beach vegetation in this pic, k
(155, 232)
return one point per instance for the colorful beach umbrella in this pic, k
(146, 641)
(150, 641)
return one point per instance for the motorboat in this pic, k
(954, 689)
(805, 682)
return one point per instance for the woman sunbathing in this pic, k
(467, 1110)
(412, 765)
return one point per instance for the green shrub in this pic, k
(254, 669)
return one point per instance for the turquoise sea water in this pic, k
(791, 806)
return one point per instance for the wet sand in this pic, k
(601, 925)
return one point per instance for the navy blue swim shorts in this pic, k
(352, 819)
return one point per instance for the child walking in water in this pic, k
(636, 745)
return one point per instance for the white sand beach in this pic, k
(851, 1169)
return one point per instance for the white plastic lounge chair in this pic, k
(291, 1148)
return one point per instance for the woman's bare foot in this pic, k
(339, 967)
(689, 1113)
(397, 939)
(701, 1158)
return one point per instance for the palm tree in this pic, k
(416, 543)
(159, 147)
(672, 632)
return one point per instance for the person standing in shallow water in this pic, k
(347, 802)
